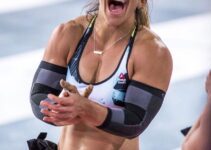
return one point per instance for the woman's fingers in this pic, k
(62, 122)
(88, 91)
(72, 89)
(66, 94)
(61, 100)
(48, 105)
(66, 109)
(50, 119)
(66, 85)
(58, 115)
(54, 98)
(56, 107)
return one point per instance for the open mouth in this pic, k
(116, 6)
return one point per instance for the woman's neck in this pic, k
(108, 33)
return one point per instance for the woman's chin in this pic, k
(114, 22)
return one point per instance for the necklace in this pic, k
(100, 52)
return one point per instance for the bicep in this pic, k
(154, 70)
(57, 49)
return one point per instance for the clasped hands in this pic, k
(69, 108)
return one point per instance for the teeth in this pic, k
(123, 1)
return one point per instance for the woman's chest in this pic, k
(95, 68)
(109, 92)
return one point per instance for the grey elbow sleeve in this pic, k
(142, 103)
(46, 81)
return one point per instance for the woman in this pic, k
(199, 137)
(128, 65)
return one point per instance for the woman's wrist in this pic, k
(93, 113)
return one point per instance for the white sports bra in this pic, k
(111, 91)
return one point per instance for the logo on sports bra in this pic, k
(122, 79)
(120, 88)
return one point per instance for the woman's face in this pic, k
(117, 12)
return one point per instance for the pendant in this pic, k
(98, 52)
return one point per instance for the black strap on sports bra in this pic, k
(74, 61)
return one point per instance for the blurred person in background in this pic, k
(113, 49)
(199, 136)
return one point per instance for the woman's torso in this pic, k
(109, 90)
(84, 137)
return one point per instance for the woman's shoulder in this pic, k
(152, 59)
(75, 26)
(149, 45)
(64, 38)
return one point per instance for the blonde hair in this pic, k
(141, 14)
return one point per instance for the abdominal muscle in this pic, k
(84, 137)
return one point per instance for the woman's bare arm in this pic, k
(53, 67)
(199, 136)
(62, 43)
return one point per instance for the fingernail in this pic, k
(50, 96)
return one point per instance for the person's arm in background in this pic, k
(199, 137)
(53, 65)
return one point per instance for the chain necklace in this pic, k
(100, 52)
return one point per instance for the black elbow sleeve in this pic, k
(142, 103)
(46, 81)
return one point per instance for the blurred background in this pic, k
(25, 26)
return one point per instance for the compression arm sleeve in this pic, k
(46, 80)
(142, 103)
